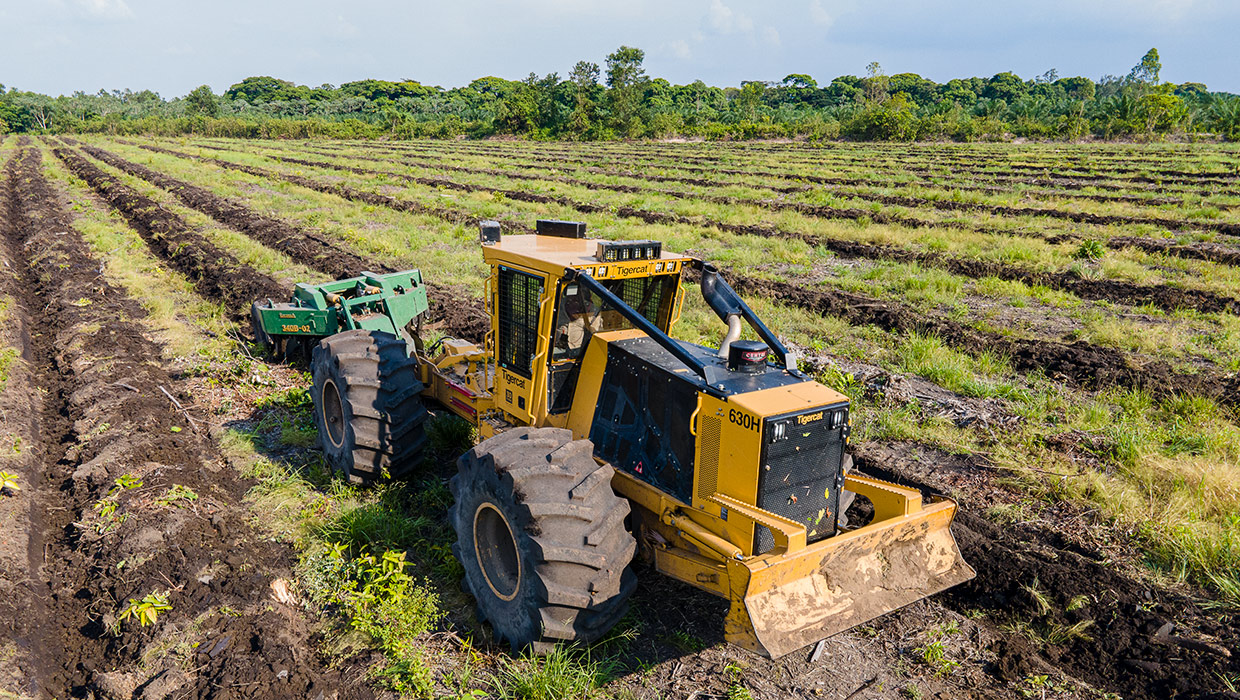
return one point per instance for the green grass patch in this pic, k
(7, 357)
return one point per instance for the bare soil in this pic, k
(103, 414)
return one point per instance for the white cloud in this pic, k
(770, 35)
(104, 9)
(725, 20)
(819, 15)
(680, 49)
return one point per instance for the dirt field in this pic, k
(1049, 335)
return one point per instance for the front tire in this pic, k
(541, 536)
(368, 405)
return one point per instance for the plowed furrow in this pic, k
(216, 273)
(894, 200)
(1208, 252)
(902, 169)
(1120, 651)
(1117, 291)
(533, 162)
(1081, 364)
(24, 604)
(106, 416)
(457, 313)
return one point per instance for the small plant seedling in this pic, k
(8, 483)
(1090, 250)
(126, 481)
(106, 508)
(935, 655)
(1039, 597)
(177, 495)
(739, 692)
(146, 611)
(685, 642)
(1077, 603)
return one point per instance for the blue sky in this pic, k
(59, 46)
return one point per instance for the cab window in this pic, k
(580, 314)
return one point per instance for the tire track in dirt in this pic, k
(1162, 296)
(458, 314)
(1119, 649)
(216, 273)
(105, 417)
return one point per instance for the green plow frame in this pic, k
(369, 301)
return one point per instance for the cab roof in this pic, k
(554, 253)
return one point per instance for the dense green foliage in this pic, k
(630, 104)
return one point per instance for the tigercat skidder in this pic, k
(603, 439)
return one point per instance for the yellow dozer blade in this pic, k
(797, 595)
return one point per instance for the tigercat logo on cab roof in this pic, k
(809, 418)
(636, 269)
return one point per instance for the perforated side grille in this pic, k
(708, 468)
(519, 294)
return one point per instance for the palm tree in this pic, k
(1225, 117)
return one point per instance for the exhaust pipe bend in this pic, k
(733, 334)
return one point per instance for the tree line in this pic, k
(619, 100)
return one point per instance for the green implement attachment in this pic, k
(387, 303)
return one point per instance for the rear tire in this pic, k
(367, 405)
(260, 334)
(541, 536)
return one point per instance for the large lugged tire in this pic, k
(542, 538)
(367, 405)
(260, 333)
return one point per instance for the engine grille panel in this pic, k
(800, 476)
(708, 470)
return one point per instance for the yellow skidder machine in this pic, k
(603, 439)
